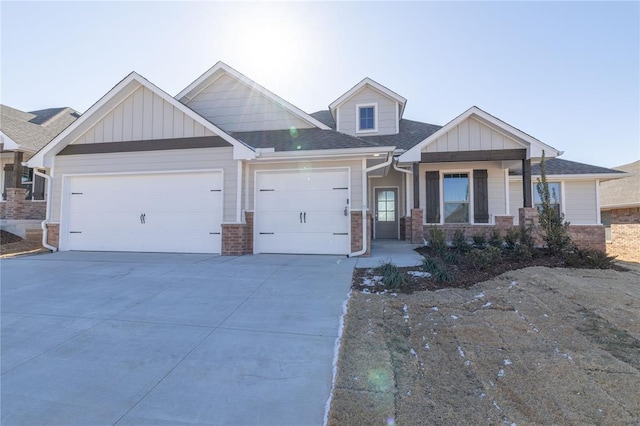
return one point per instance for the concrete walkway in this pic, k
(399, 253)
(122, 338)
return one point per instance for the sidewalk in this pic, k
(400, 253)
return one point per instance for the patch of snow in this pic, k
(426, 346)
(336, 352)
(467, 363)
(460, 351)
(413, 352)
(486, 305)
(501, 373)
(419, 274)
(514, 283)
(454, 317)
(435, 308)
(495, 404)
(482, 395)
(479, 296)
(507, 362)
(405, 309)
(409, 393)
(545, 315)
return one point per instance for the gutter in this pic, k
(364, 201)
(43, 225)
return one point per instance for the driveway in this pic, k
(123, 338)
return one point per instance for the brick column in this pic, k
(248, 217)
(529, 218)
(53, 234)
(417, 231)
(16, 205)
(356, 232)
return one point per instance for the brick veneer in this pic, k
(417, 231)
(625, 234)
(588, 236)
(17, 208)
(53, 234)
(356, 232)
(237, 238)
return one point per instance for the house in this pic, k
(620, 206)
(21, 135)
(226, 166)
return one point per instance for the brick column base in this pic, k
(237, 238)
(417, 230)
(529, 218)
(356, 232)
(53, 234)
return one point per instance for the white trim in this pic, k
(322, 153)
(337, 119)
(64, 197)
(238, 193)
(214, 72)
(533, 145)
(506, 193)
(113, 98)
(397, 118)
(598, 217)
(373, 105)
(590, 176)
(563, 202)
(469, 174)
(374, 85)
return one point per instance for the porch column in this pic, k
(17, 169)
(526, 183)
(416, 185)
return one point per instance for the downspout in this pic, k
(364, 201)
(406, 185)
(43, 225)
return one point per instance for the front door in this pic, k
(386, 214)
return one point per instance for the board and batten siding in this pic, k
(578, 198)
(386, 113)
(143, 115)
(235, 107)
(151, 161)
(496, 185)
(472, 135)
(355, 184)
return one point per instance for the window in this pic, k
(366, 118)
(554, 195)
(456, 197)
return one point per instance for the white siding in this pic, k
(495, 183)
(580, 202)
(131, 162)
(386, 113)
(471, 135)
(143, 115)
(236, 107)
(356, 177)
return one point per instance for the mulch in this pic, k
(8, 238)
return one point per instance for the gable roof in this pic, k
(624, 192)
(533, 145)
(111, 99)
(221, 68)
(30, 131)
(367, 82)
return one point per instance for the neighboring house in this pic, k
(21, 135)
(226, 166)
(620, 205)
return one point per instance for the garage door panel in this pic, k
(302, 212)
(182, 212)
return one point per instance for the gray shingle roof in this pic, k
(301, 139)
(558, 166)
(624, 191)
(33, 130)
(324, 117)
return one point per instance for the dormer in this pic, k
(368, 109)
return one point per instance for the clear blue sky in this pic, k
(566, 73)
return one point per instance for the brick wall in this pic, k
(625, 234)
(588, 236)
(237, 238)
(53, 234)
(417, 231)
(356, 232)
(17, 208)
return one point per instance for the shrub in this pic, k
(525, 236)
(451, 258)
(459, 242)
(495, 240)
(437, 269)
(521, 252)
(593, 259)
(554, 226)
(484, 259)
(512, 237)
(479, 240)
(392, 278)
(437, 240)
(429, 264)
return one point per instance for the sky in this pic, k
(566, 73)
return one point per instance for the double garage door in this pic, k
(160, 212)
(302, 211)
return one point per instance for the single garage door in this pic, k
(302, 211)
(161, 212)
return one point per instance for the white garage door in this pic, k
(164, 212)
(302, 212)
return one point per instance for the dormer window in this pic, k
(367, 118)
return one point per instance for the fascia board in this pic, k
(587, 176)
(324, 153)
(253, 85)
(9, 144)
(619, 206)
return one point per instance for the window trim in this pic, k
(470, 211)
(375, 117)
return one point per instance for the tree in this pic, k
(555, 231)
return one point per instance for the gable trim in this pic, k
(206, 79)
(533, 146)
(44, 157)
(375, 86)
(145, 145)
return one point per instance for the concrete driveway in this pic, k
(122, 338)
